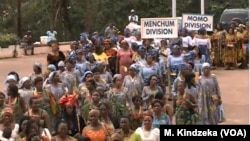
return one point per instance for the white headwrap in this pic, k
(10, 77)
(51, 76)
(61, 64)
(22, 81)
(205, 65)
(38, 65)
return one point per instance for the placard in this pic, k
(159, 28)
(195, 21)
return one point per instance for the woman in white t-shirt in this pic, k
(51, 35)
(147, 131)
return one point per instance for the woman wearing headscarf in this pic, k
(137, 39)
(133, 82)
(10, 80)
(150, 90)
(25, 89)
(140, 60)
(203, 42)
(230, 56)
(87, 75)
(118, 95)
(61, 69)
(74, 121)
(124, 58)
(150, 68)
(175, 60)
(81, 62)
(105, 74)
(37, 72)
(54, 90)
(218, 43)
(111, 52)
(92, 61)
(7, 119)
(71, 77)
(209, 97)
(16, 102)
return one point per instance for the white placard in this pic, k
(159, 28)
(195, 21)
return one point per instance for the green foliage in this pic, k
(96, 15)
(7, 39)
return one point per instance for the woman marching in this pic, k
(209, 101)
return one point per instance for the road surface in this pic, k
(233, 84)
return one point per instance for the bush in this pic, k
(7, 39)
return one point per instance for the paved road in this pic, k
(234, 86)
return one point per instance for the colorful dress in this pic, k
(95, 135)
(136, 118)
(185, 115)
(230, 50)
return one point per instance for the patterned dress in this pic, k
(208, 108)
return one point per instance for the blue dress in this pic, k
(174, 64)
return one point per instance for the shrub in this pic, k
(7, 39)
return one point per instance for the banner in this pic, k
(206, 132)
(195, 22)
(159, 28)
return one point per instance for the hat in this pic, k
(52, 67)
(61, 64)
(132, 10)
(22, 81)
(10, 77)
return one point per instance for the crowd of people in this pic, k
(121, 87)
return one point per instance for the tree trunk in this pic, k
(53, 14)
(19, 21)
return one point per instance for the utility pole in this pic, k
(174, 8)
(19, 19)
(202, 7)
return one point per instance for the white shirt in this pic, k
(186, 41)
(206, 42)
(153, 135)
(133, 18)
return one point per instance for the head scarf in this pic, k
(61, 64)
(22, 81)
(37, 64)
(141, 48)
(204, 65)
(135, 67)
(52, 76)
(85, 75)
(67, 100)
(52, 67)
(116, 76)
(10, 77)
